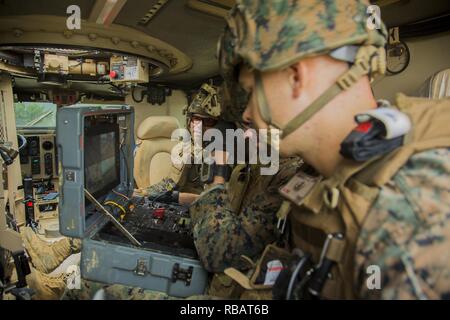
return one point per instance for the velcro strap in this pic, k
(336, 250)
(238, 186)
(347, 80)
(284, 210)
(239, 277)
(248, 261)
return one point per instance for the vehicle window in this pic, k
(35, 115)
(104, 106)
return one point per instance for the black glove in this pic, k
(165, 197)
(208, 172)
(223, 171)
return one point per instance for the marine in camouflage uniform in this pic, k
(407, 231)
(392, 212)
(223, 232)
(205, 104)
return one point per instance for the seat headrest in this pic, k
(437, 86)
(157, 127)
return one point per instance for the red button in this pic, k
(364, 127)
(113, 74)
(159, 213)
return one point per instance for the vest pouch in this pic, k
(273, 261)
(258, 283)
(223, 286)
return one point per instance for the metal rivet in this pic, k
(115, 40)
(162, 52)
(17, 32)
(68, 34)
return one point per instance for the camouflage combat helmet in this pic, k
(270, 35)
(206, 102)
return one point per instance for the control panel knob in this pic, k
(47, 145)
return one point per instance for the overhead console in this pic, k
(65, 76)
(58, 66)
(42, 47)
(94, 62)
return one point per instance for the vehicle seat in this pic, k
(152, 161)
(437, 86)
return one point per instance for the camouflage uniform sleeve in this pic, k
(221, 236)
(165, 184)
(407, 233)
(88, 290)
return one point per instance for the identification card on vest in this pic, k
(299, 187)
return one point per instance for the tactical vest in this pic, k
(245, 182)
(190, 181)
(188, 175)
(340, 204)
(238, 184)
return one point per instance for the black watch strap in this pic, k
(175, 196)
(223, 171)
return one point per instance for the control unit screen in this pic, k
(101, 158)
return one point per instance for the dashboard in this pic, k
(39, 158)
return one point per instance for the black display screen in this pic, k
(101, 158)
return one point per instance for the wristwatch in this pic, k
(222, 170)
(175, 196)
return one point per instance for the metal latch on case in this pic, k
(179, 273)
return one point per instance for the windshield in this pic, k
(35, 115)
(43, 114)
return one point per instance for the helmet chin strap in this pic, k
(263, 104)
(367, 60)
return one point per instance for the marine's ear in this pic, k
(298, 72)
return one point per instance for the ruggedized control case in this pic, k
(166, 261)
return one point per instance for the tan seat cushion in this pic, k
(152, 160)
(437, 86)
(157, 127)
